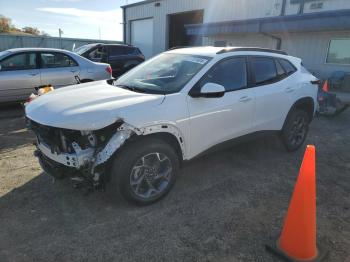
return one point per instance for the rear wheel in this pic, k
(295, 130)
(144, 171)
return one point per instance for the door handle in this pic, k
(289, 89)
(245, 99)
(74, 71)
(33, 74)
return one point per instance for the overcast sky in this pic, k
(77, 18)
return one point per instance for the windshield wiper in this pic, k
(131, 88)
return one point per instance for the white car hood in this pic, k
(90, 106)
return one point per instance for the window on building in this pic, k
(19, 62)
(230, 73)
(339, 51)
(264, 69)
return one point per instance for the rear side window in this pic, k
(123, 50)
(98, 53)
(288, 67)
(280, 70)
(137, 51)
(22, 61)
(131, 51)
(264, 69)
(230, 73)
(55, 60)
(116, 50)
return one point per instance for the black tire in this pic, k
(128, 160)
(295, 129)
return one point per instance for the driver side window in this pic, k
(230, 73)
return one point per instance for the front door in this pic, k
(58, 69)
(18, 76)
(215, 120)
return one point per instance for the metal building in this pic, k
(318, 31)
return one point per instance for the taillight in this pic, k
(109, 70)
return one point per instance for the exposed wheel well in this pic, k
(307, 104)
(168, 138)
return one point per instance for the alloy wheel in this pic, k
(151, 175)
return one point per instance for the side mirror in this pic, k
(211, 90)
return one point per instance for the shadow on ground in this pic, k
(13, 133)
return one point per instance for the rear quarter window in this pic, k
(288, 66)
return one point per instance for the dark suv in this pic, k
(121, 57)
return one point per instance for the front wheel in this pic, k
(144, 171)
(295, 130)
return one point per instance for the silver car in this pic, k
(23, 69)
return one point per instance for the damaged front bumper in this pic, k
(84, 152)
(89, 156)
(77, 159)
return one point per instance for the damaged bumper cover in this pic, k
(79, 155)
(77, 159)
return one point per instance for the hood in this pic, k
(89, 106)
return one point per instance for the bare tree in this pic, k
(31, 30)
(6, 26)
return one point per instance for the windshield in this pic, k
(164, 74)
(83, 49)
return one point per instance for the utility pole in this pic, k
(60, 33)
(99, 32)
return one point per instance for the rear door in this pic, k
(58, 69)
(272, 88)
(19, 74)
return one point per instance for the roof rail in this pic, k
(254, 49)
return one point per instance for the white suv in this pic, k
(131, 134)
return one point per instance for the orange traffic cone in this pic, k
(298, 238)
(325, 87)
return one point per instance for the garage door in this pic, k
(142, 36)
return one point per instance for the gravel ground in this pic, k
(224, 206)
